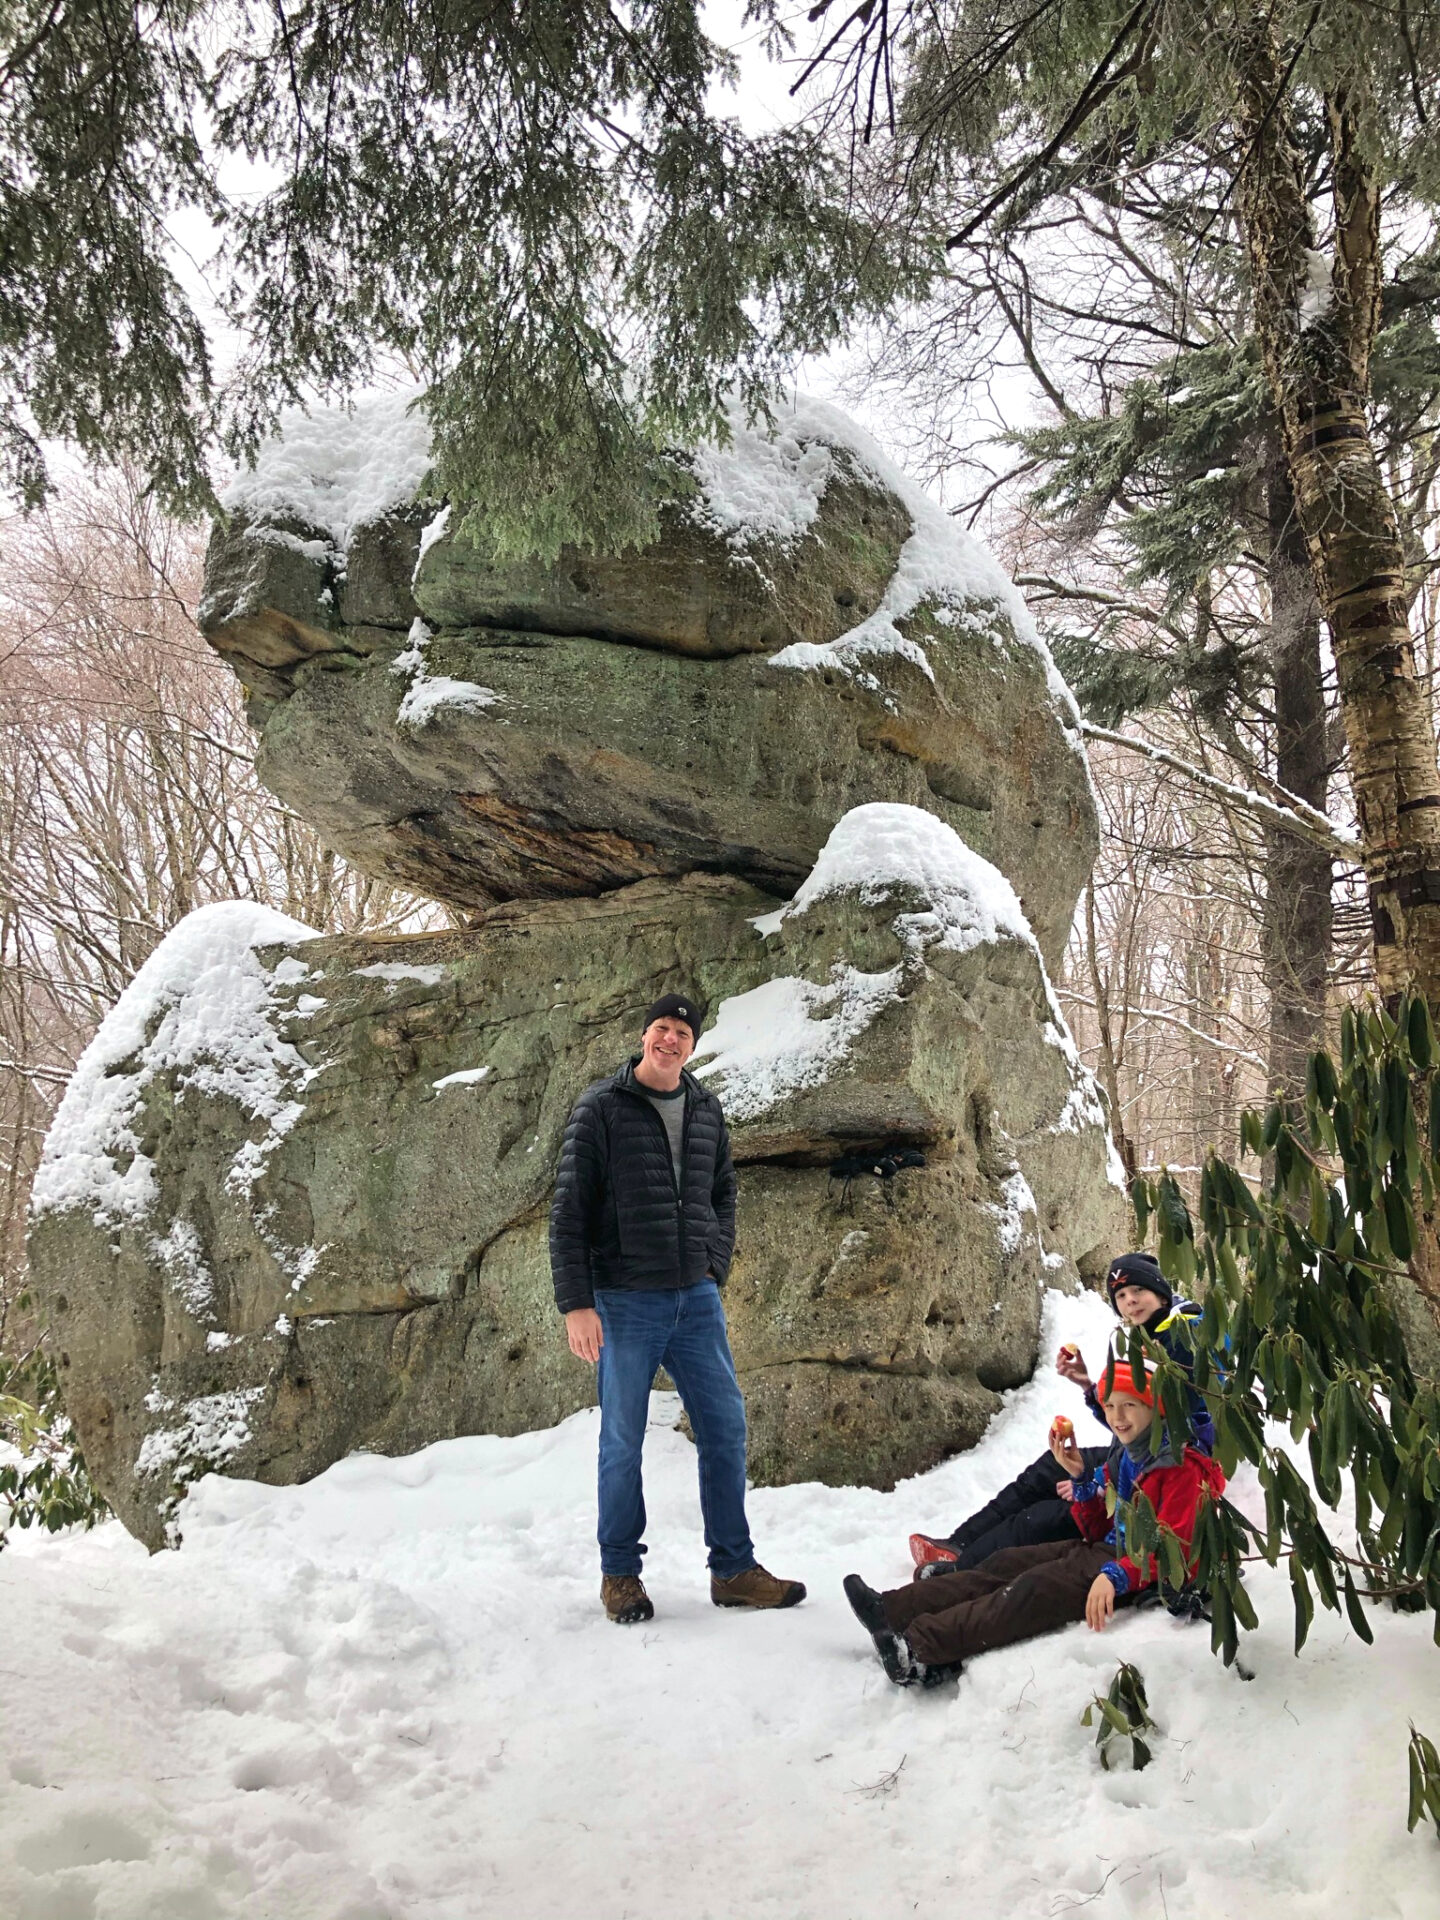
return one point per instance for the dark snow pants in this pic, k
(1018, 1593)
(1025, 1514)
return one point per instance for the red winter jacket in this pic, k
(1173, 1491)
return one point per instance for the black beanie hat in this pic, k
(677, 1006)
(1138, 1270)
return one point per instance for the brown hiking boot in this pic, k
(625, 1599)
(756, 1588)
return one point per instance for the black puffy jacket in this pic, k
(619, 1218)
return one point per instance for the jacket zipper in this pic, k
(670, 1162)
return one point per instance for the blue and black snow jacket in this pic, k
(1162, 1327)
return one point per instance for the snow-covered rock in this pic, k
(201, 1011)
(806, 753)
(295, 1203)
(810, 632)
(337, 469)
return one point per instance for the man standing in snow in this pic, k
(641, 1233)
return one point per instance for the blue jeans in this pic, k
(683, 1330)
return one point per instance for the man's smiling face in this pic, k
(665, 1046)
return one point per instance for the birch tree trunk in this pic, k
(1316, 324)
(1297, 928)
(1316, 321)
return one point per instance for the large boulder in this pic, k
(294, 1202)
(810, 632)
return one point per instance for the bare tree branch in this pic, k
(1290, 812)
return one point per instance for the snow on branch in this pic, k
(28, 1070)
(1289, 812)
(1101, 597)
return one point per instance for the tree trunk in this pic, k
(1109, 1065)
(1296, 933)
(1204, 992)
(1315, 324)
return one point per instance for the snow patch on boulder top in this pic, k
(941, 565)
(767, 482)
(337, 467)
(763, 485)
(199, 1008)
(878, 849)
(792, 1033)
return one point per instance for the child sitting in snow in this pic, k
(1030, 1509)
(925, 1630)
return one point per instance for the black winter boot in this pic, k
(895, 1655)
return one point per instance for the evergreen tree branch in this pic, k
(1092, 96)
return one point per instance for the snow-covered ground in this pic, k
(391, 1695)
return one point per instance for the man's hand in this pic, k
(585, 1334)
(1069, 1456)
(1099, 1603)
(1071, 1367)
